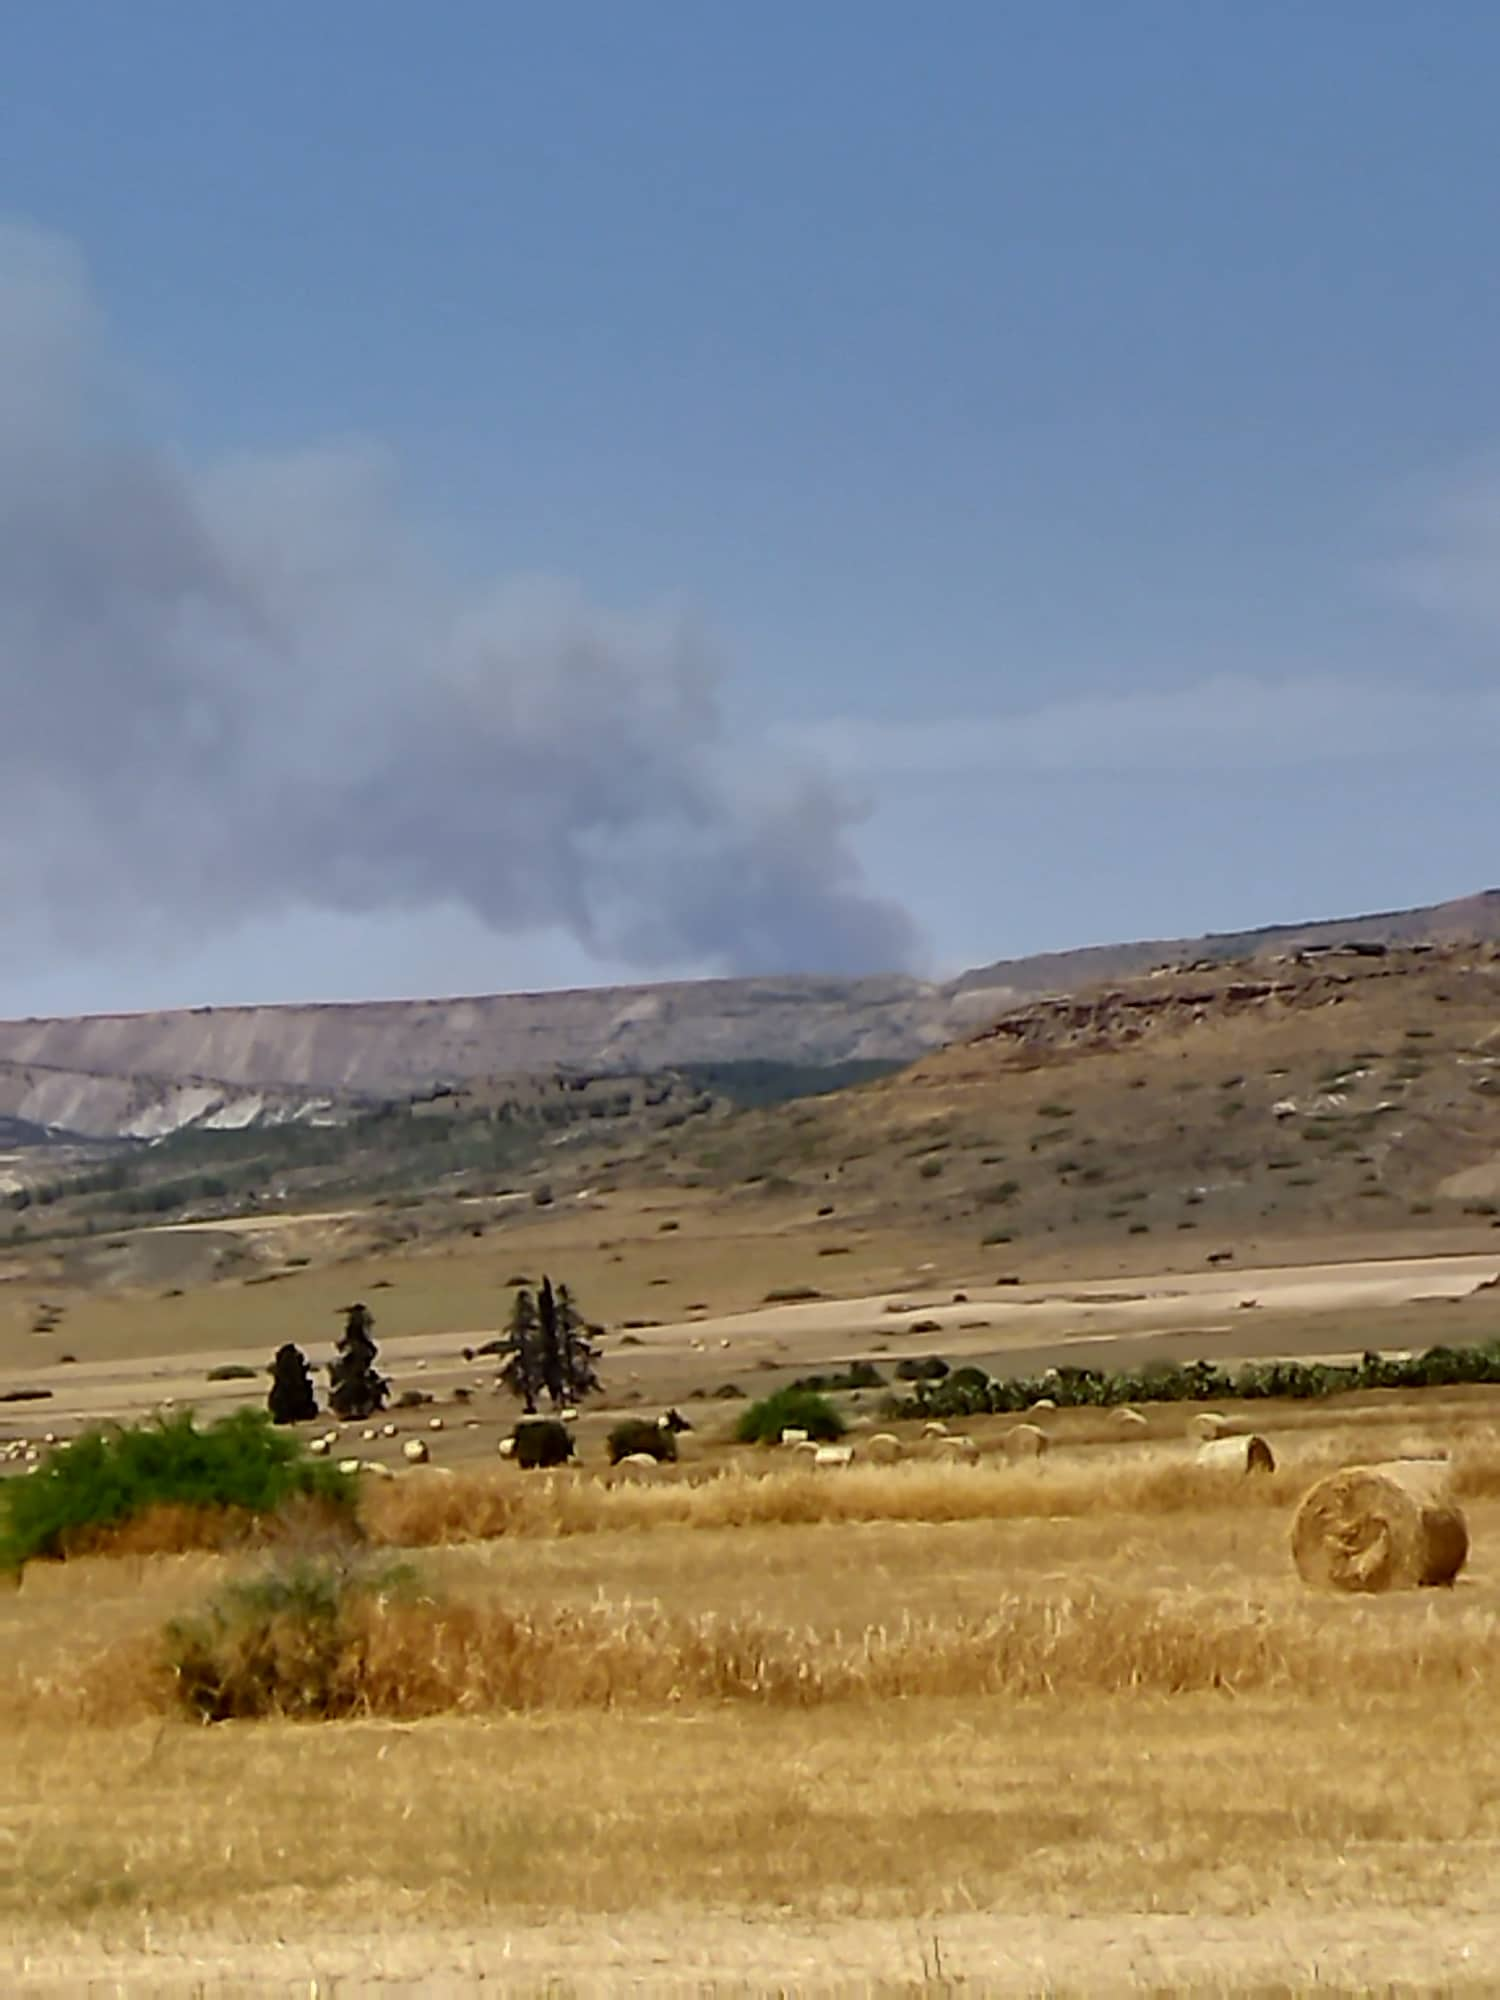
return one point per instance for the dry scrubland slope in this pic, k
(1052, 1723)
(1172, 1116)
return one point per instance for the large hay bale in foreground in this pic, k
(1240, 1454)
(1381, 1527)
(1024, 1441)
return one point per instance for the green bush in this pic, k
(790, 1409)
(108, 1476)
(232, 1371)
(541, 1442)
(640, 1434)
(858, 1375)
(921, 1368)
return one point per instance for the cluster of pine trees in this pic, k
(546, 1349)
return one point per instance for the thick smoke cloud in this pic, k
(232, 691)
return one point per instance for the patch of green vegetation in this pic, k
(789, 1409)
(106, 1477)
(1204, 1381)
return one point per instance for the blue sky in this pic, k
(1035, 469)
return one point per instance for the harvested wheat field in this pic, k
(1069, 1724)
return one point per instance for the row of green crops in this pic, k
(968, 1392)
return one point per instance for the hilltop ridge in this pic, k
(144, 1074)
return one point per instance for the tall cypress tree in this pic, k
(354, 1387)
(292, 1398)
(577, 1347)
(521, 1369)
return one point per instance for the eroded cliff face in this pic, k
(143, 1074)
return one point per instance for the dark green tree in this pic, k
(292, 1398)
(521, 1348)
(354, 1387)
(575, 1348)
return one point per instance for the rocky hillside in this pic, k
(1352, 1091)
(143, 1075)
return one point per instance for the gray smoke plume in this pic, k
(231, 691)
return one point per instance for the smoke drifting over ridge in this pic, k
(235, 691)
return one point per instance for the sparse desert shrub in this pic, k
(281, 1643)
(639, 1434)
(103, 1479)
(790, 1409)
(930, 1169)
(786, 1295)
(541, 1442)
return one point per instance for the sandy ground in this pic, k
(1355, 1950)
(1090, 1322)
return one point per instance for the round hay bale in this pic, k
(1024, 1441)
(1128, 1420)
(415, 1451)
(806, 1448)
(1041, 1403)
(936, 1429)
(884, 1448)
(1207, 1424)
(1394, 1526)
(1242, 1454)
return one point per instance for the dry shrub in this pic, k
(174, 1528)
(392, 1653)
(1381, 1527)
(412, 1514)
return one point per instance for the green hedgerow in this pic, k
(106, 1477)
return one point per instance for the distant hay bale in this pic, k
(791, 1436)
(884, 1448)
(1208, 1424)
(1395, 1526)
(415, 1451)
(936, 1429)
(1024, 1441)
(1042, 1403)
(1241, 1454)
(807, 1449)
(834, 1455)
(1128, 1420)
